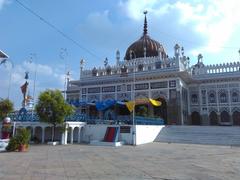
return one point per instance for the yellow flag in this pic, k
(130, 105)
(155, 102)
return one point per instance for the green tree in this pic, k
(52, 109)
(6, 106)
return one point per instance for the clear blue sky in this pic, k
(210, 27)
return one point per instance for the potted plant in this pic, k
(22, 138)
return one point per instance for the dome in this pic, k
(145, 46)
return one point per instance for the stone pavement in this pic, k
(151, 161)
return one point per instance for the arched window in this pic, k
(194, 99)
(123, 70)
(140, 67)
(235, 97)
(212, 98)
(158, 65)
(223, 97)
(108, 70)
(94, 72)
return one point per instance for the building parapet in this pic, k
(137, 65)
(215, 69)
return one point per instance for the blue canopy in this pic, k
(103, 105)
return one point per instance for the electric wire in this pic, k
(56, 29)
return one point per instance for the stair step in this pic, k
(200, 135)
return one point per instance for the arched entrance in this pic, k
(76, 134)
(225, 118)
(58, 134)
(38, 134)
(161, 111)
(82, 133)
(213, 118)
(30, 129)
(48, 134)
(236, 118)
(196, 119)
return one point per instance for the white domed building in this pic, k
(197, 95)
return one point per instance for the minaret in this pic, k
(176, 50)
(145, 23)
(82, 62)
(118, 57)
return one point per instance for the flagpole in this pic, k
(134, 101)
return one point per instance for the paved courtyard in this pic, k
(152, 161)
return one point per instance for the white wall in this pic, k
(97, 132)
(147, 133)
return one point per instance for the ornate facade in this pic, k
(196, 95)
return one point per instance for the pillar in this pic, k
(79, 133)
(71, 140)
(33, 132)
(43, 134)
(65, 136)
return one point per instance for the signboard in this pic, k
(125, 129)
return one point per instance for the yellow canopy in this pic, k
(131, 104)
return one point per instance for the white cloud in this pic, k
(214, 20)
(47, 77)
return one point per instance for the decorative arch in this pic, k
(76, 134)
(213, 118)
(194, 98)
(140, 67)
(235, 95)
(196, 119)
(236, 118)
(38, 134)
(48, 134)
(30, 129)
(223, 96)
(225, 117)
(212, 97)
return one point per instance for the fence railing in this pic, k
(33, 117)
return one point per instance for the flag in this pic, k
(155, 102)
(24, 87)
(130, 105)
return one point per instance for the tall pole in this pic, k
(134, 123)
(33, 57)
(63, 54)
(134, 101)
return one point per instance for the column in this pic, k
(33, 132)
(71, 140)
(79, 133)
(43, 134)
(66, 134)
